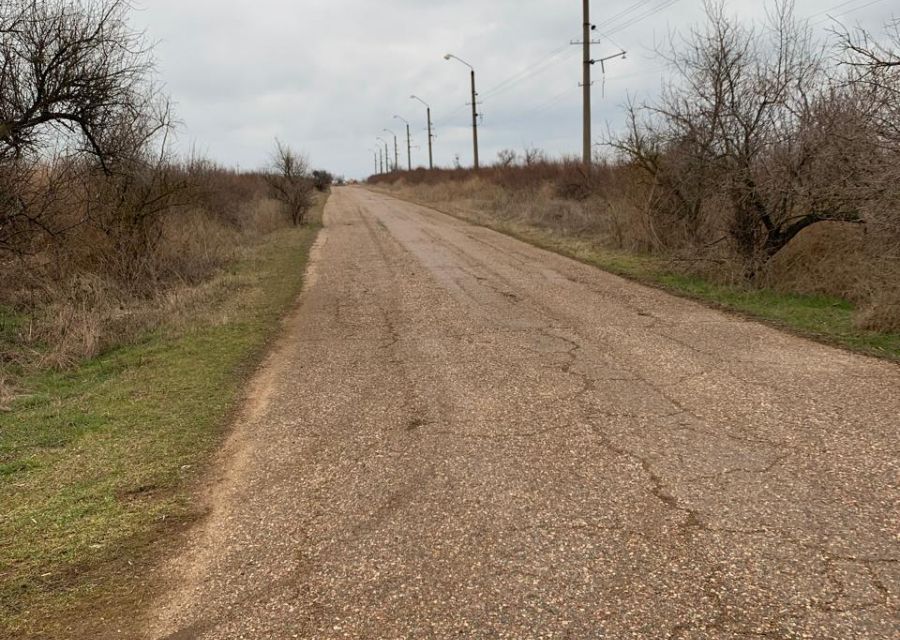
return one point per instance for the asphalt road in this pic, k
(464, 436)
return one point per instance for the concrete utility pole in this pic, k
(387, 155)
(375, 155)
(475, 119)
(588, 140)
(396, 150)
(408, 143)
(586, 42)
(474, 106)
(430, 136)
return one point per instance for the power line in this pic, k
(450, 116)
(542, 63)
(524, 72)
(535, 72)
(557, 55)
(544, 106)
(840, 6)
(640, 17)
(621, 14)
(844, 13)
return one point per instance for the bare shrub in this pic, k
(507, 157)
(290, 183)
(322, 180)
(224, 193)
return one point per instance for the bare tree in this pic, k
(747, 131)
(290, 182)
(76, 97)
(872, 85)
(873, 71)
(506, 157)
(533, 155)
(74, 69)
(864, 52)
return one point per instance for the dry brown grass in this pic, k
(104, 283)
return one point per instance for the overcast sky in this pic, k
(327, 76)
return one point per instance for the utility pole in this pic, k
(588, 151)
(474, 106)
(396, 150)
(475, 119)
(387, 155)
(430, 136)
(380, 161)
(586, 42)
(408, 143)
(588, 140)
(408, 149)
(375, 154)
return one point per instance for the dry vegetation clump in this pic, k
(762, 164)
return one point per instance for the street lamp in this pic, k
(428, 114)
(396, 151)
(376, 160)
(408, 142)
(386, 160)
(450, 56)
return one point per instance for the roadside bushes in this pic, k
(755, 141)
(101, 226)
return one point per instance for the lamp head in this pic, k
(447, 56)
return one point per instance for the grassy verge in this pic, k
(97, 463)
(823, 318)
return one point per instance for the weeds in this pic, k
(96, 459)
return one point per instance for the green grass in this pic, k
(824, 318)
(97, 463)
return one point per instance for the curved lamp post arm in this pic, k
(450, 56)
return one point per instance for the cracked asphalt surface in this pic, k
(464, 436)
